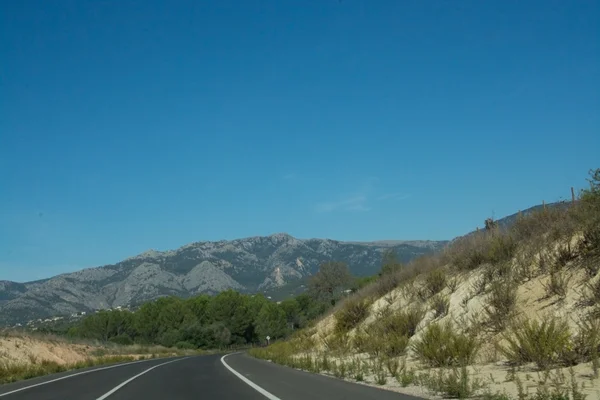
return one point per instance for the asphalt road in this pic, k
(185, 378)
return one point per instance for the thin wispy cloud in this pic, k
(356, 203)
(394, 196)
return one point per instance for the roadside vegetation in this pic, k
(504, 312)
(25, 355)
(13, 372)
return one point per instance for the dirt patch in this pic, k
(30, 350)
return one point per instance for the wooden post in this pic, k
(544, 204)
(572, 195)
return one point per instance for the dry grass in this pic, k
(12, 372)
(544, 343)
(352, 313)
(442, 346)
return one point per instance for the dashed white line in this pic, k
(248, 381)
(73, 375)
(104, 396)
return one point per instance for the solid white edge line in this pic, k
(73, 375)
(104, 396)
(248, 381)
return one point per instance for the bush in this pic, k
(390, 334)
(501, 304)
(441, 346)
(440, 305)
(379, 373)
(435, 281)
(395, 345)
(185, 346)
(123, 340)
(406, 378)
(586, 344)
(592, 293)
(543, 343)
(457, 384)
(557, 285)
(502, 248)
(352, 313)
(377, 344)
(403, 322)
(468, 253)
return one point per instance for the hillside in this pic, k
(507, 312)
(247, 265)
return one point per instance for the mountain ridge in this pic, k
(252, 264)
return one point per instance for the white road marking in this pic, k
(73, 375)
(104, 396)
(248, 381)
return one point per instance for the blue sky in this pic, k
(130, 125)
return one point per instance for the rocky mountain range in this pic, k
(255, 264)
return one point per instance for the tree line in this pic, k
(226, 319)
(229, 318)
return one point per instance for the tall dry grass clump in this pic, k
(441, 345)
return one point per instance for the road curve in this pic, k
(235, 376)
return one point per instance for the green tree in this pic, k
(146, 322)
(105, 325)
(311, 307)
(362, 281)
(198, 306)
(390, 263)
(332, 277)
(173, 312)
(294, 316)
(271, 321)
(233, 310)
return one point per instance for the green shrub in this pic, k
(356, 369)
(591, 266)
(352, 313)
(395, 344)
(406, 378)
(469, 252)
(360, 342)
(392, 364)
(440, 305)
(499, 271)
(544, 343)
(457, 384)
(586, 344)
(185, 346)
(392, 344)
(453, 284)
(502, 248)
(123, 340)
(435, 281)
(592, 293)
(324, 363)
(338, 343)
(502, 302)
(390, 334)
(379, 372)
(557, 285)
(441, 346)
(404, 322)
